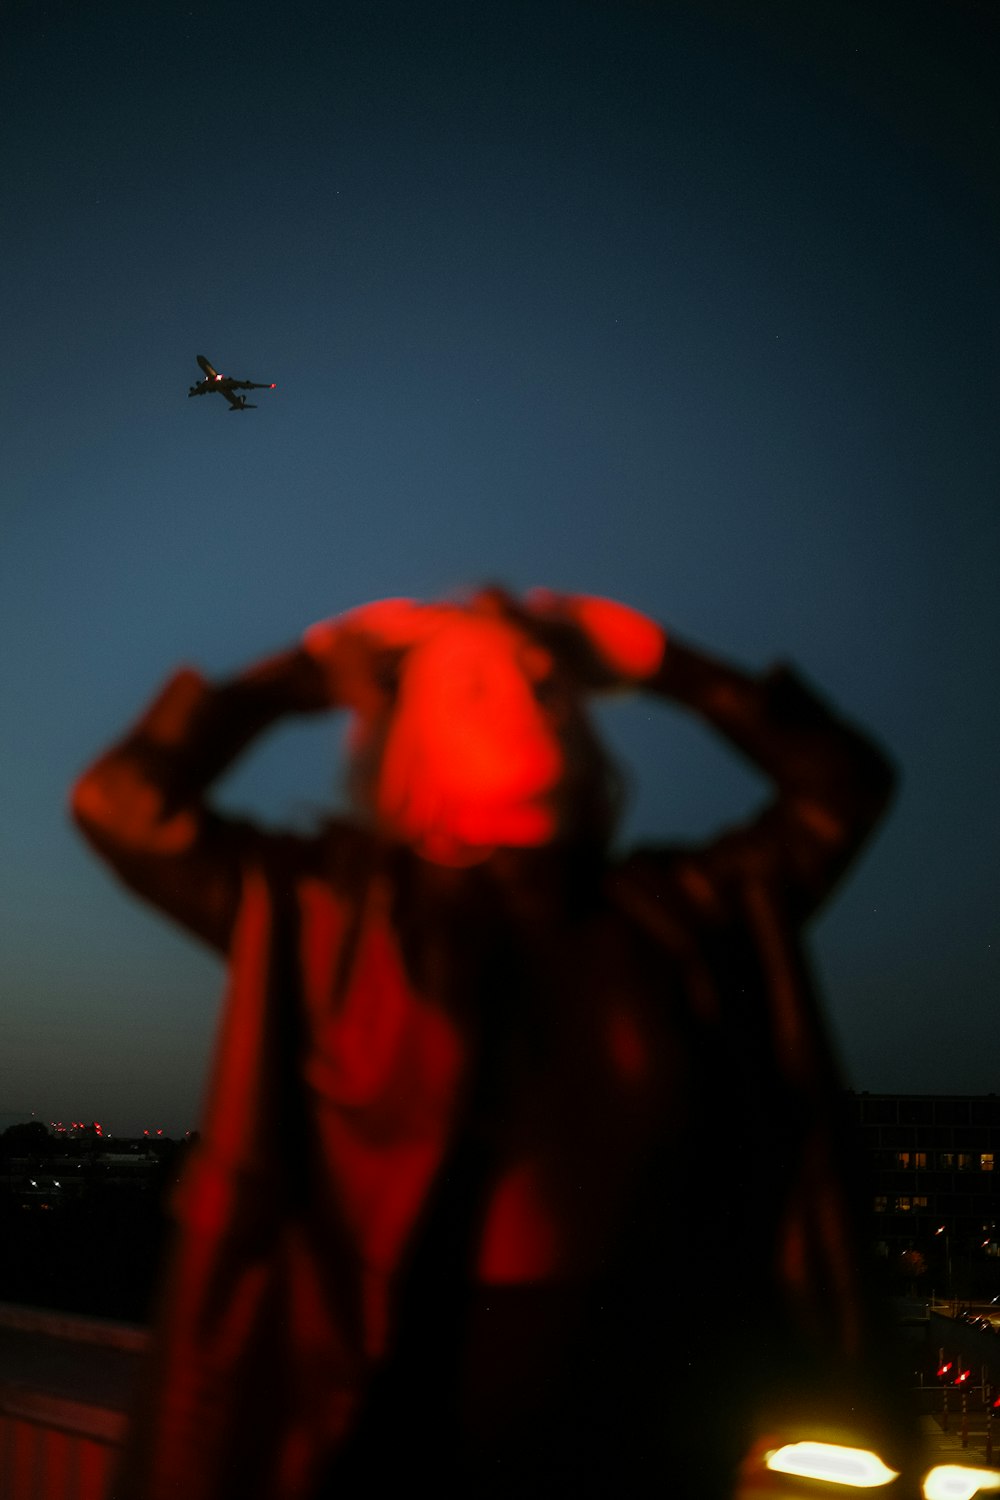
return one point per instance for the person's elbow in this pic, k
(840, 810)
(90, 807)
(876, 782)
(116, 807)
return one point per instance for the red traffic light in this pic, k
(963, 1377)
(944, 1370)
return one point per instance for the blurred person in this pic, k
(521, 1171)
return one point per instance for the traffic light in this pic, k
(962, 1379)
(944, 1370)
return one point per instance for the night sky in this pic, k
(692, 304)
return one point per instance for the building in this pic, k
(932, 1164)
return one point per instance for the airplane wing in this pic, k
(250, 385)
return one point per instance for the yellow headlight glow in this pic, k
(830, 1461)
(959, 1482)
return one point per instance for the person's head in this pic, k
(481, 740)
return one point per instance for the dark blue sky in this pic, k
(663, 301)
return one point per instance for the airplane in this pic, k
(213, 381)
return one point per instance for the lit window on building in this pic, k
(947, 1159)
(903, 1159)
(903, 1205)
(986, 1161)
(920, 1160)
(964, 1161)
(920, 1202)
(881, 1204)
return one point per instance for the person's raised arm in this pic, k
(832, 783)
(141, 804)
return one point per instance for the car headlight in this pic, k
(856, 1467)
(959, 1482)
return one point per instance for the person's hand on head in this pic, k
(604, 644)
(360, 650)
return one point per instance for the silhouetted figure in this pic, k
(520, 1173)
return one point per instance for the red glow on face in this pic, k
(471, 755)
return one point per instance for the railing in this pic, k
(65, 1383)
(64, 1387)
